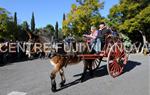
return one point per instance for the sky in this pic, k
(45, 11)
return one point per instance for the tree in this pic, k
(32, 23)
(10, 33)
(25, 26)
(82, 16)
(3, 19)
(64, 17)
(15, 19)
(131, 15)
(56, 31)
(6, 25)
(22, 31)
(50, 28)
(15, 32)
(60, 34)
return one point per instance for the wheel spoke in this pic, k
(93, 67)
(117, 68)
(113, 66)
(95, 64)
(117, 54)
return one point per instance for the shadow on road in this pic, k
(69, 84)
(101, 71)
(9, 60)
(130, 65)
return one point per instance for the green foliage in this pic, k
(6, 25)
(126, 40)
(10, 30)
(25, 26)
(60, 34)
(131, 15)
(15, 32)
(82, 16)
(3, 19)
(50, 28)
(22, 34)
(32, 23)
(64, 17)
(56, 30)
(15, 19)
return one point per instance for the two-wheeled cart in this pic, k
(115, 54)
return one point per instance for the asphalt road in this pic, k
(32, 78)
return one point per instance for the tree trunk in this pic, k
(144, 42)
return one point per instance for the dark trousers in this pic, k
(102, 45)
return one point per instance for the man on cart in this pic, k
(103, 33)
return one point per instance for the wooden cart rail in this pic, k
(93, 56)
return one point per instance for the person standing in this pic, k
(103, 33)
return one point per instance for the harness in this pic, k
(69, 57)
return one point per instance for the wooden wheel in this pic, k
(96, 63)
(116, 61)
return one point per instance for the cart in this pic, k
(115, 54)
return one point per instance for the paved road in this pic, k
(32, 78)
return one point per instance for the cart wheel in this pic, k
(96, 63)
(116, 61)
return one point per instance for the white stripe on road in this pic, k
(17, 93)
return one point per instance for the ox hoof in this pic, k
(53, 88)
(62, 83)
